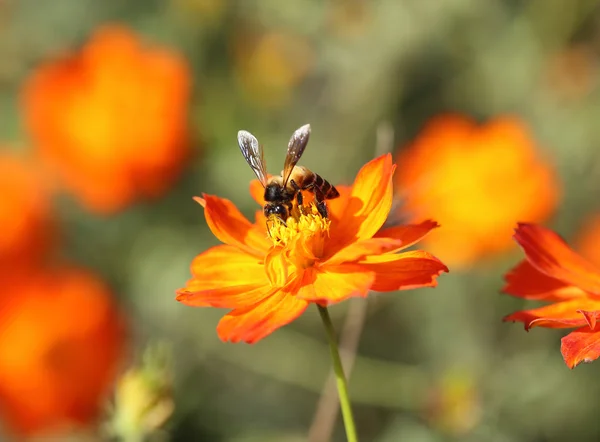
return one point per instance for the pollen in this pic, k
(307, 222)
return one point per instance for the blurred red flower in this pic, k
(111, 119)
(477, 181)
(552, 272)
(25, 214)
(61, 338)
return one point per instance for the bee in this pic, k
(282, 190)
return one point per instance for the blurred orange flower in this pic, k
(555, 274)
(477, 181)
(25, 214)
(269, 278)
(60, 342)
(110, 120)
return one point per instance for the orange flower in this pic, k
(110, 120)
(555, 274)
(25, 214)
(477, 181)
(269, 278)
(60, 341)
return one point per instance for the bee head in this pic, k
(278, 210)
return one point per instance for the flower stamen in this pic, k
(307, 222)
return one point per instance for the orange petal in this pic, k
(251, 324)
(369, 204)
(526, 281)
(231, 227)
(551, 255)
(225, 265)
(238, 296)
(336, 283)
(220, 274)
(260, 220)
(409, 234)
(565, 314)
(585, 317)
(591, 317)
(361, 249)
(337, 206)
(278, 267)
(257, 192)
(581, 345)
(404, 271)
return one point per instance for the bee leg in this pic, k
(321, 204)
(299, 196)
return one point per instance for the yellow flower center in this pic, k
(306, 224)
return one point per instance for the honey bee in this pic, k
(282, 190)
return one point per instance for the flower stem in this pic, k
(342, 384)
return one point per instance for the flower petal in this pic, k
(369, 204)
(581, 345)
(278, 267)
(551, 255)
(409, 234)
(257, 192)
(565, 314)
(361, 249)
(238, 296)
(337, 206)
(231, 227)
(404, 271)
(332, 284)
(251, 324)
(526, 281)
(585, 317)
(220, 274)
(591, 317)
(221, 265)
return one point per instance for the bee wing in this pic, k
(295, 150)
(254, 154)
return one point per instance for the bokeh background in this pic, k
(115, 114)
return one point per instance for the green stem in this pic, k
(340, 378)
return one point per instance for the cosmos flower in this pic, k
(477, 181)
(61, 339)
(269, 275)
(111, 119)
(569, 285)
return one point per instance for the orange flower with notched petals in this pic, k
(61, 339)
(477, 181)
(26, 218)
(110, 120)
(268, 278)
(553, 273)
